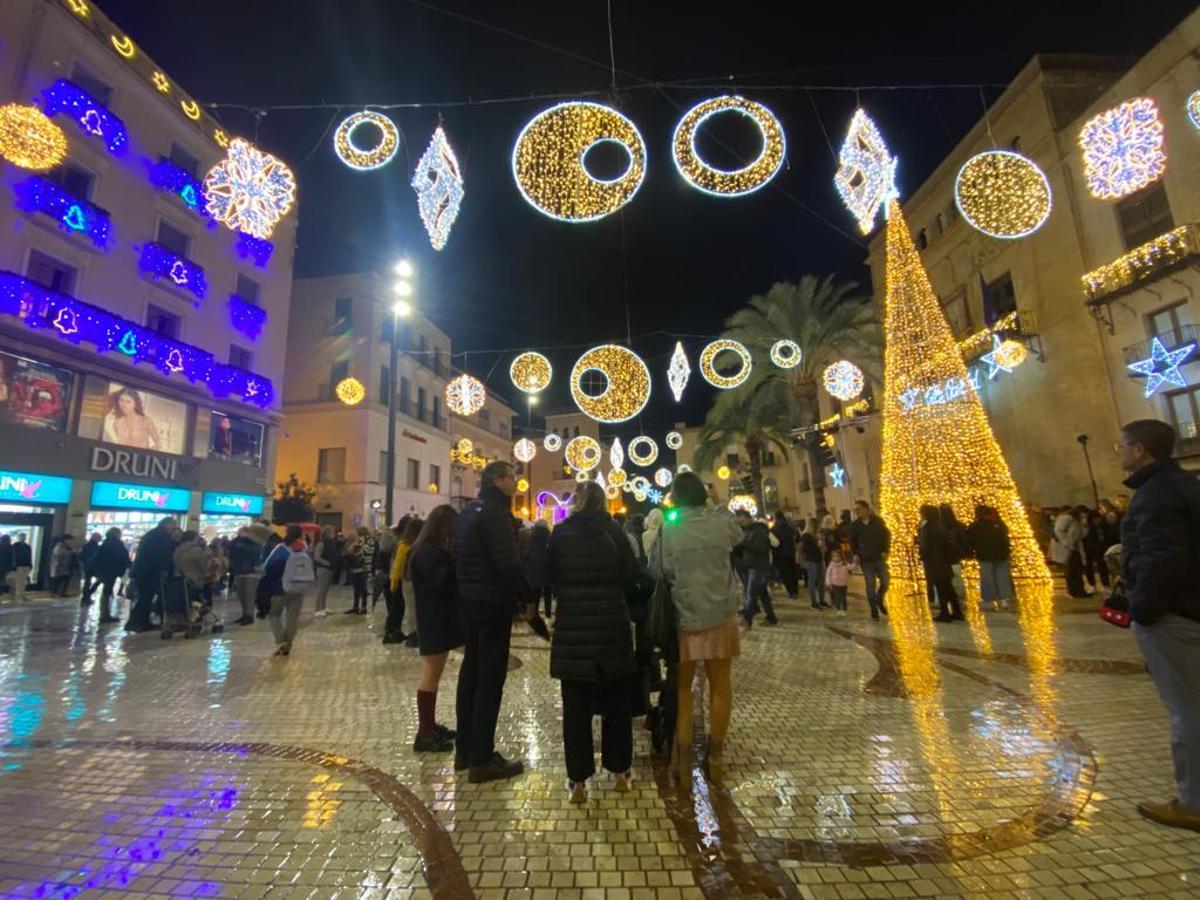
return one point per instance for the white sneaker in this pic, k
(841, 612)
(320, 614)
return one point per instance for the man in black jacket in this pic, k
(493, 589)
(872, 541)
(154, 560)
(755, 551)
(244, 553)
(22, 557)
(1160, 541)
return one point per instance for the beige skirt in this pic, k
(719, 642)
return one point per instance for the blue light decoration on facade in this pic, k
(837, 476)
(115, 495)
(246, 317)
(73, 320)
(88, 113)
(159, 262)
(74, 216)
(231, 504)
(1162, 365)
(171, 179)
(941, 393)
(257, 249)
(28, 487)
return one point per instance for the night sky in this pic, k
(512, 278)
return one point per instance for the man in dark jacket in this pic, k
(89, 581)
(22, 559)
(871, 542)
(784, 556)
(1160, 541)
(244, 553)
(493, 589)
(154, 560)
(755, 555)
(110, 563)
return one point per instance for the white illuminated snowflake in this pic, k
(439, 186)
(249, 190)
(866, 175)
(1122, 149)
(465, 395)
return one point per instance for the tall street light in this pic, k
(401, 309)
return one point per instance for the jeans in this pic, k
(1171, 647)
(481, 684)
(756, 588)
(995, 581)
(284, 617)
(877, 578)
(816, 581)
(580, 699)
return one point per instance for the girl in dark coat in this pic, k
(430, 566)
(589, 566)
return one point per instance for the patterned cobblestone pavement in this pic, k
(1001, 757)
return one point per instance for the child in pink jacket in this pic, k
(837, 578)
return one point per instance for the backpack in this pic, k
(298, 572)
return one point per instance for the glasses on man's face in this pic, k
(1117, 445)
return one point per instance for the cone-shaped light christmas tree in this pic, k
(937, 444)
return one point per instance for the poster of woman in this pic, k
(146, 421)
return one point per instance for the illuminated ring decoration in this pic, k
(663, 478)
(524, 450)
(582, 453)
(350, 391)
(674, 440)
(639, 483)
(552, 442)
(465, 446)
(639, 496)
(1003, 194)
(547, 161)
(617, 477)
(843, 380)
(639, 458)
(530, 372)
(612, 492)
(581, 477)
(723, 182)
(465, 395)
(681, 468)
(358, 158)
(786, 354)
(709, 355)
(627, 390)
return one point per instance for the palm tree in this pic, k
(829, 321)
(752, 422)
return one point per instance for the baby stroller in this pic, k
(185, 610)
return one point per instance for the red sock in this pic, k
(426, 712)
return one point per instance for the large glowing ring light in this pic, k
(674, 440)
(709, 355)
(1003, 194)
(358, 158)
(582, 454)
(726, 182)
(548, 161)
(786, 354)
(641, 457)
(552, 442)
(627, 389)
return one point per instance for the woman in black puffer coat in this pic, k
(589, 565)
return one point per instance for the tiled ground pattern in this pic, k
(1000, 757)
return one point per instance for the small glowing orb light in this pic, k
(674, 440)
(465, 395)
(1003, 194)
(616, 454)
(1193, 109)
(583, 453)
(522, 485)
(357, 157)
(29, 140)
(438, 182)
(643, 451)
(663, 477)
(843, 380)
(581, 477)
(350, 391)
(681, 468)
(617, 477)
(678, 371)
(1006, 355)
(524, 450)
(1123, 149)
(249, 190)
(785, 354)
(708, 357)
(465, 446)
(866, 175)
(530, 372)
(612, 492)
(552, 442)
(723, 472)
(548, 161)
(627, 387)
(743, 503)
(723, 182)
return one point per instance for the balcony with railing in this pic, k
(1144, 263)
(1020, 323)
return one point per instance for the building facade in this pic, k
(340, 329)
(476, 441)
(141, 343)
(1081, 331)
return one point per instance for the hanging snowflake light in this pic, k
(785, 354)
(866, 175)
(552, 442)
(438, 182)
(530, 372)
(524, 450)
(626, 389)
(678, 371)
(249, 190)
(643, 451)
(663, 478)
(29, 140)
(674, 440)
(364, 159)
(843, 380)
(708, 357)
(465, 395)
(1122, 149)
(616, 455)
(582, 454)
(1003, 194)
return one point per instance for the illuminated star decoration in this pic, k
(1162, 366)
(249, 190)
(998, 359)
(866, 175)
(678, 371)
(837, 476)
(1122, 149)
(439, 185)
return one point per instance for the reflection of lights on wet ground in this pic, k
(702, 809)
(219, 656)
(321, 804)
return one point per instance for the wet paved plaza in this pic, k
(1001, 757)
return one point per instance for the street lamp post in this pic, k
(400, 310)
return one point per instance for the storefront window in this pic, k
(235, 439)
(33, 393)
